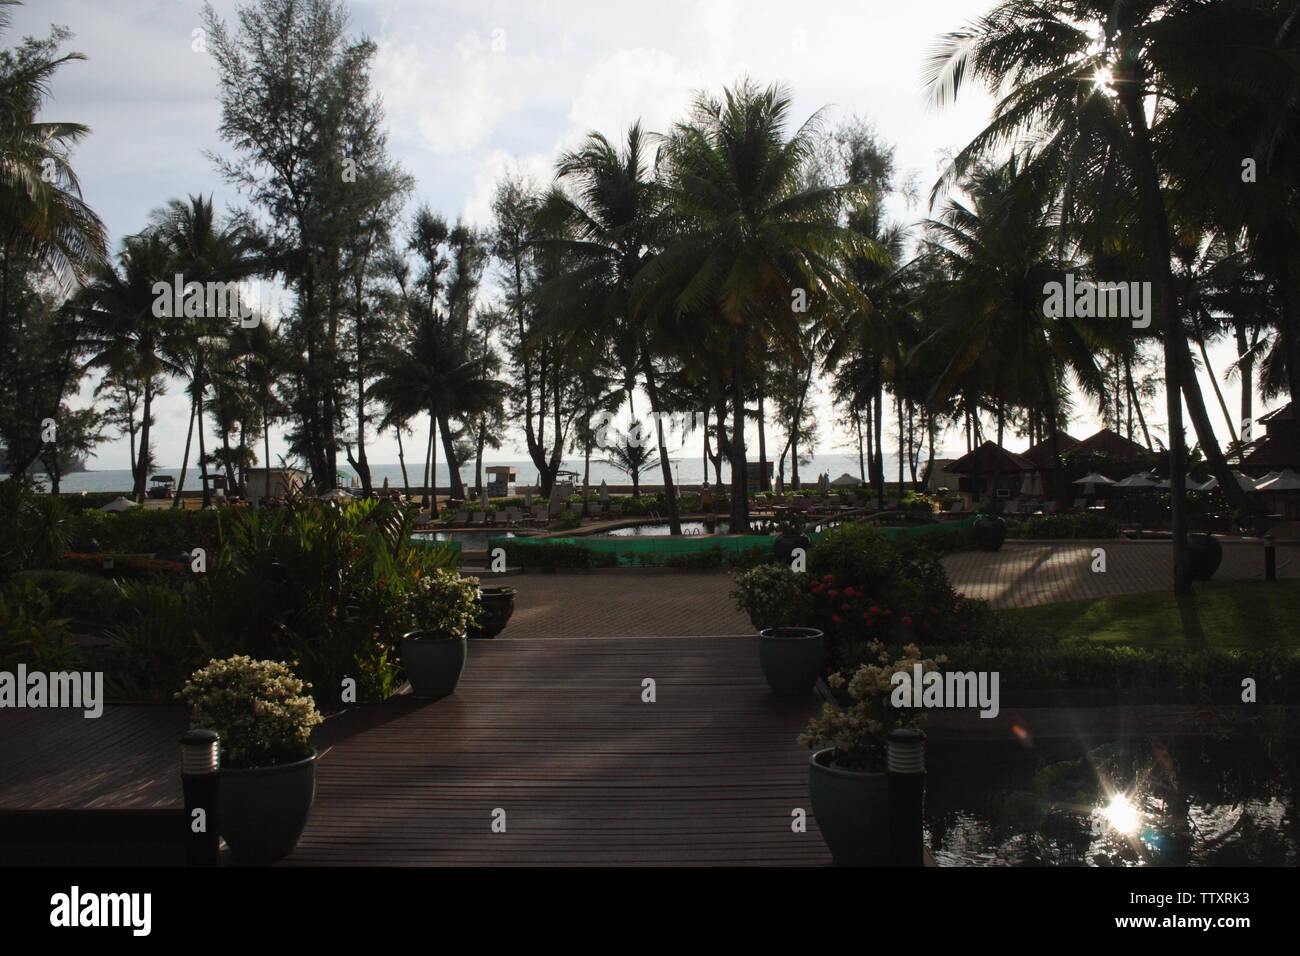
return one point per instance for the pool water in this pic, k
(1136, 802)
(696, 527)
(468, 540)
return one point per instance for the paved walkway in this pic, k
(671, 604)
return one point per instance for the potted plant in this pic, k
(792, 658)
(847, 779)
(990, 531)
(264, 715)
(790, 535)
(498, 603)
(441, 607)
(1204, 553)
(773, 596)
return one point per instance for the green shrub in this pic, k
(30, 633)
(86, 599)
(546, 554)
(858, 553)
(443, 602)
(566, 522)
(147, 531)
(773, 595)
(155, 645)
(261, 710)
(34, 529)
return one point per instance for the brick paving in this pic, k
(633, 603)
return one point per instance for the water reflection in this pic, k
(1197, 801)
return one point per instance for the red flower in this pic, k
(934, 610)
(949, 618)
(844, 607)
(827, 578)
(835, 593)
(866, 617)
(874, 610)
(835, 618)
(907, 622)
(888, 612)
(926, 625)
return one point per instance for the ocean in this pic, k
(686, 471)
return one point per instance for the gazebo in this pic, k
(990, 471)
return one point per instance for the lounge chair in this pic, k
(539, 517)
(460, 519)
(479, 520)
(500, 519)
(616, 511)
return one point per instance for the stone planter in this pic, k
(263, 810)
(784, 545)
(1204, 553)
(433, 662)
(990, 532)
(498, 604)
(792, 658)
(852, 811)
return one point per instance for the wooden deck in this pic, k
(555, 733)
(126, 759)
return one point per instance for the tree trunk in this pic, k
(185, 459)
(739, 492)
(670, 492)
(1156, 225)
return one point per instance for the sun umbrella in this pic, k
(780, 484)
(604, 491)
(1190, 483)
(120, 503)
(847, 481)
(1247, 483)
(485, 496)
(824, 483)
(336, 494)
(1285, 480)
(1141, 479)
(528, 497)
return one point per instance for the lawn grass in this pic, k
(1254, 614)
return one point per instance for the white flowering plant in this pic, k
(262, 711)
(444, 603)
(857, 731)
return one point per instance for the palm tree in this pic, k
(124, 335)
(203, 249)
(612, 218)
(1001, 250)
(42, 214)
(745, 231)
(631, 458)
(1081, 76)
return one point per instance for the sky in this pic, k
(473, 88)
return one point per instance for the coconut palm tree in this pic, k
(123, 333)
(751, 245)
(1082, 76)
(612, 218)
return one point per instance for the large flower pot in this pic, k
(432, 662)
(792, 658)
(852, 811)
(498, 604)
(990, 532)
(263, 809)
(1204, 553)
(784, 545)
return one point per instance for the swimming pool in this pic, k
(468, 540)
